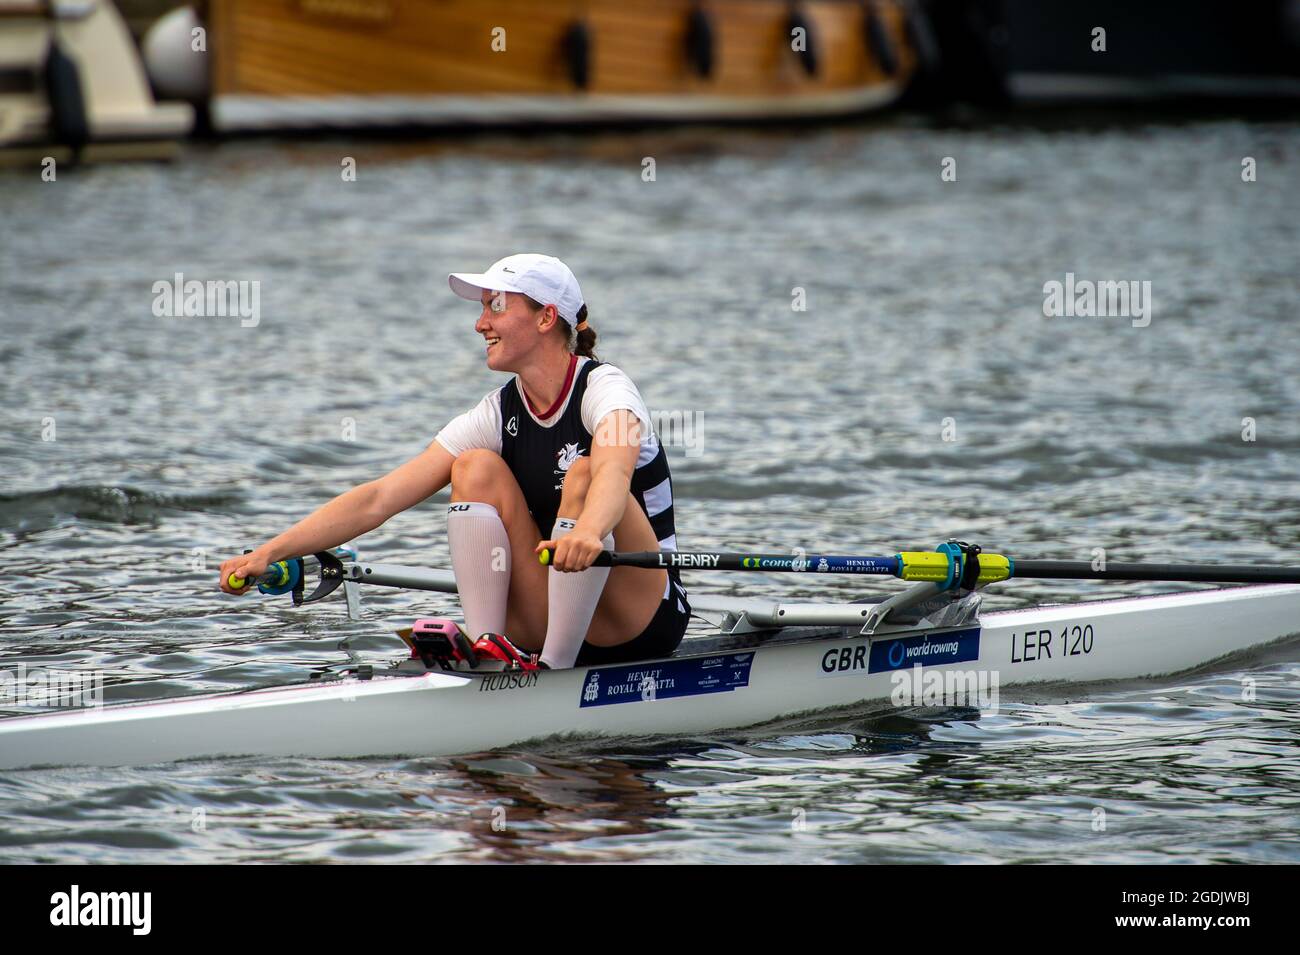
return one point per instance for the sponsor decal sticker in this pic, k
(885, 654)
(665, 680)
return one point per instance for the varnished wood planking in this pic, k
(271, 47)
(621, 64)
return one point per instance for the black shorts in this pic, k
(659, 639)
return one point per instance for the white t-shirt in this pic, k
(609, 389)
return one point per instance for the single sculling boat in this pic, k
(764, 660)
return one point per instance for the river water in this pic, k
(919, 393)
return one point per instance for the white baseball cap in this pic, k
(543, 278)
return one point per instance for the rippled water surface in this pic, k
(921, 395)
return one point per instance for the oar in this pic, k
(699, 560)
(944, 565)
(939, 566)
(1212, 573)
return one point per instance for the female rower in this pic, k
(563, 456)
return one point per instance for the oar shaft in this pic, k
(876, 566)
(943, 567)
(931, 566)
(1208, 573)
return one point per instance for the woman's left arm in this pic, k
(615, 445)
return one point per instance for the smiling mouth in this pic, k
(491, 342)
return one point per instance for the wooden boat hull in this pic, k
(285, 63)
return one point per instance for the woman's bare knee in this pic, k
(476, 476)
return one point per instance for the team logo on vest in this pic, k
(564, 459)
(567, 455)
(512, 427)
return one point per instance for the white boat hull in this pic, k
(446, 713)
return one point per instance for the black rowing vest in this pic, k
(540, 457)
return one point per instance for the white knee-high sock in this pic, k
(480, 557)
(570, 603)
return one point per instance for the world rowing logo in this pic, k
(591, 692)
(897, 653)
(512, 428)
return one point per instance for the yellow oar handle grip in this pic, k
(236, 582)
(935, 567)
(994, 567)
(925, 565)
(544, 558)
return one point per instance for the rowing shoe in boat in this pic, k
(762, 660)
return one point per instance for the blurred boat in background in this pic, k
(72, 84)
(73, 78)
(350, 64)
(1030, 53)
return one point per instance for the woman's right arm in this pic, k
(349, 515)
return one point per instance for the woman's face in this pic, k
(508, 326)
